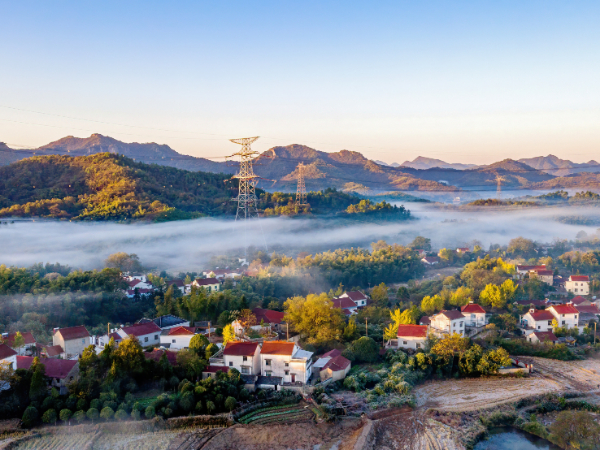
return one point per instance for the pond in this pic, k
(507, 438)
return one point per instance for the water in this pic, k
(506, 438)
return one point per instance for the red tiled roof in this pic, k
(53, 350)
(182, 331)
(215, 369)
(412, 331)
(579, 278)
(55, 368)
(73, 333)
(240, 348)
(116, 336)
(545, 336)
(268, 315)
(133, 282)
(579, 299)
(453, 314)
(347, 312)
(565, 309)
(528, 268)
(6, 351)
(206, 281)
(29, 339)
(356, 295)
(178, 283)
(544, 272)
(157, 353)
(541, 315)
(472, 308)
(277, 348)
(141, 329)
(343, 303)
(332, 353)
(587, 309)
(336, 364)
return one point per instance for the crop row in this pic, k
(55, 442)
(270, 408)
(284, 419)
(274, 414)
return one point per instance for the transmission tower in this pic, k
(301, 192)
(499, 180)
(246, 198)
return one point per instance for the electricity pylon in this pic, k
(301, 192)
(499, 180)
(247, 201)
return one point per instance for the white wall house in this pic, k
(566, 315)
(177, 338)
(536, 320)
(286, 360)
(147, 334)
(347, 306)
(243, 356)
(544, 275)
(522, 270)
(412, 336)
(542, 337)
(474, 315)
(578, 284)
(210, 284)
(357, 297)
(448, 322)
(28, 342)
(8, 356)
(73, 340)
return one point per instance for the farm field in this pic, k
(278, 414)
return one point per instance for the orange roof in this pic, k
(240, 348)
(278, 348)
(181, 331)
(565, 309)
(579, 278)
(412, 331)
(472, 308)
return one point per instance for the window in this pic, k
(287, 372)
(156, 336)
(245, 370)
(287, 364)
(267, 362)
(473, 316)
(405, 342)
(268, 373)
(549, 322)
(563, 322)
(539, 327)
(230, 363)
(146, 339)
(174, 340)
(418, 345)
(576, 316)
(563, 316)
(244, 358)
(461, 324)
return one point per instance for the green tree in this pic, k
(421, 242)
(429, 305)
(365, 349)
(521, 247)
(121, 414)
(198, 344)
(469, 360)
(403, 293)
(124, 262)
(30, 417)
(65, 415)
(447, 255)
(379, 294)
(107, 413)
(210, 406)
(230, 403)
(79, 416)
(149, 412)
(92, 414)
(461, 297)
(493, 360)
(350, 331)
(211, 349)
(49, 417)
(37, 388)
(18, 341)
(576, 429)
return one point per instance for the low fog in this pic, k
(188, 245)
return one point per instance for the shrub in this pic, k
(92, 414)
(79, 416)
(96, 404)
(121, 414)
(81, 404)
(30, 417)
(365, 349)
(230, 403)
(49, 417)
(65, 415)
(149, 412)
(107, 413)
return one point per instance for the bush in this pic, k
(81, 404)
(49, 417)
(107, 413)
(365, 349)
(30, 417)
(121, 414)
(92, 414)
(230, 403)
(149, 412)
(536, 429)
(65, 415)
(79, 416)
(96, 404)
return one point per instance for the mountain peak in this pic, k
(508, 165)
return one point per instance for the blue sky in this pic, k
(461, 81)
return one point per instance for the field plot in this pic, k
(160, 440)
(476, 393)
(572, 375)
(278, 414)
(51, 441)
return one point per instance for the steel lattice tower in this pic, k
(301, 192)
(247, 201)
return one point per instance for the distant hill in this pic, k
(560, 167)
(423, 163)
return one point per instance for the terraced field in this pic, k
(278, 415)
(47, 441)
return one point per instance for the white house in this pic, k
(285, 360)
(210, 284)
(28, 342)
(8, 356)
(474, 315)
(448, 322)
(412, 336)
(539, 337)
(347, 306)
(147, 334)
(522, 270)
(536, 320)
(357, 297)
(578, 284)
(243, 356)
(544, 275)
(177, 338)
(332, 365)
(73, 340)
(223, 274)
(430, 260)
(566, 315)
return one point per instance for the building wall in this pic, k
(176, 342)
(146, 340)
(237, 362)
(540, 325)
(71, 347)
(11, 360)
(442, 323)
(410, 342)
(578, 287)
(475, 319)
(566, 320)
(335, 376)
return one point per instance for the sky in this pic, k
(471, 82)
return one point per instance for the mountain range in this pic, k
(345, 169)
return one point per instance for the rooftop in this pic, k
(343, 303)
(73, 333)
(472, 308)
(579, 278)
(412, 331)
(565, 309)
(27, 336)
(240, 348)
(181, 331)
(206, 281)
(545, 336)
(55, 367)
(268, 315)
(157, 353)
(541, 315)
(453, 314)
(355, 295)
(337, 363)
(6, 351)
(277, 348)
(141, 329)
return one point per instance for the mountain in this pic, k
(560, 167)
(423, 163)
(110, 187)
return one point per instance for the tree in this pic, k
(450, 346)
(403, 293)
(124, 262)
(211, 349)
(421, 242)
(30, 417)
(228, 334)
(18, 341)
(230, 403)
(493, 360)
(246, 319)
(521, 247)
(379, 294)
(129, 356)
(365, 349)
(107, 413)
(37, 388)
(575, 429)
(469, 360)
(447, 255)
(498, 296)
(315, 318)
(121, 414)
(191, 363)
(149, 412)
(350, 331)
(49, 417)
(210, 406)
(65, 415)
(198, 344)
(432, 304)
(461, 297)
(406, 317)
(79, 416)
(92, 414)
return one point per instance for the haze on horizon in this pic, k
(465, 82)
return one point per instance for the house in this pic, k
(139, 282)
(28, 342)
(59, 372)
(542, 337)
(463, 250)
(223, 274)
(578, 284)
(474, 314)
(566, 315)
(286, 360)
(177, 338)
(430, 260)
(210, 284)
(588, 309)
(177, 284)
(211, 371)
(157, 353)
(347, 306)
(335, 369)
(243, 356)
(579, 300)
(424, 321)
(8, 356)
(411, 336)
(522, 270)
(448, 322)
(148, 334)
(50, 351)
(544, 275)
(101, 341)
(73, 340)
(269, 317)
(357, 297)
(168, 321)
(536, 320)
